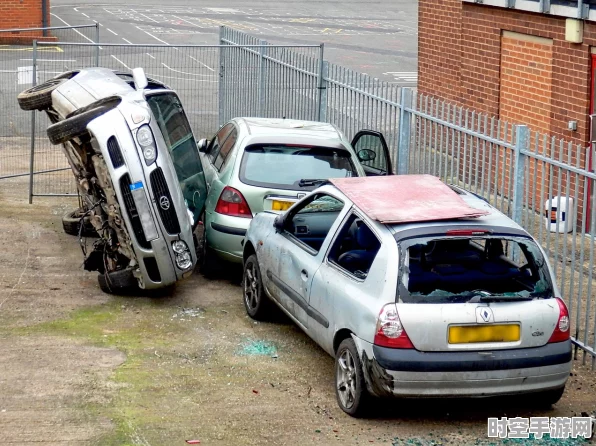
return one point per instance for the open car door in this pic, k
(373, 153)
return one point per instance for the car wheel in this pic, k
(71, 223)
(76, 125)
(256, 302)
(117, 281)
(350, 387)
(547, 398)
(40, 96)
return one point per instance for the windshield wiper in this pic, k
(310, 182)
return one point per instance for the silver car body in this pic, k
(122, 122)
(330, 305)
(225, 234)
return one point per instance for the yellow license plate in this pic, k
(467, 334)
(278, 205)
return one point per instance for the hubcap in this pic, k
(251, 286)
(346, 379)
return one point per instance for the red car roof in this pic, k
(405, 198)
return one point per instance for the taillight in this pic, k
(390, 332)
(231, 202)
(561, 332)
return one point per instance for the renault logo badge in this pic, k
(484, 314)
(164, 203)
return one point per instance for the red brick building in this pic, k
(524, 61)
(24, 14)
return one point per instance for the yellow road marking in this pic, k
(42, 49)
(302, 20)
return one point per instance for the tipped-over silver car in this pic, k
(417, 289)
(134, 156)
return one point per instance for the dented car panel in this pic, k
(480, 310)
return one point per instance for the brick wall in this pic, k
(474, 63)
(22, 14)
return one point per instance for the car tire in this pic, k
(76, 125)
(71, 223)
(256, 303)
(40, 96)
(350, 385)
(117, 281)
(546, 398)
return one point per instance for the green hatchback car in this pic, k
(257, 164)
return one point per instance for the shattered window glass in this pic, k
(461, 269)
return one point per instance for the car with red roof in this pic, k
(416, 288)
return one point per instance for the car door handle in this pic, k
(304, 274)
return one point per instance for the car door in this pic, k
(182, 147)
(350, 279)
(373, 153)
(297, 253)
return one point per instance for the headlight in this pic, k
(147, 143)
(179, 246)
(184, 260)
(144, 136)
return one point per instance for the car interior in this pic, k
(460, 265)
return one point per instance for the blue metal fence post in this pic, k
(220, 89)
(322, 86)
(262, 69)
(405, 126)
(519, 173)
(32, 154)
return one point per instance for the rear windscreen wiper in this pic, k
(310, 182)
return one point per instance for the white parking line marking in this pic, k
(206, 66)
(85, 15)
(150, 56)
(111, 31)
(151, 35)
(184, 72)
(75, 30)
(127, 67)
(127, 41)
(146, 16)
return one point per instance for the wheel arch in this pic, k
(249, 250)
(339, 337)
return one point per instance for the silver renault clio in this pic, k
(136, 163)
(416, 288)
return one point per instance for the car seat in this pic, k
(361, 259)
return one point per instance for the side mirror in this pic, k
(278, 223)
(202, 145)
(138, 75)
(366, 155)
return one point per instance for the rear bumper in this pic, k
(410, 373)
(225, 235)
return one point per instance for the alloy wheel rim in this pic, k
(251, 289)
(346, 379)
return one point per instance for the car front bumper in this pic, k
(411, 373)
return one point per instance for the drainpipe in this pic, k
(44, 16)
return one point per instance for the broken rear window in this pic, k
(483, 269)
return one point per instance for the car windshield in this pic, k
(293, 167)
(483, 269)
(181, 144)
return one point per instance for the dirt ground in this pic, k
(80, 367)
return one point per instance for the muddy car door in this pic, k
(373, 153)
(182, 147)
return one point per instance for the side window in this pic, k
(311, 223)
(225, 148)
(218, 139)
(355, 248)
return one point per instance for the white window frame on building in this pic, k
(574, 9)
